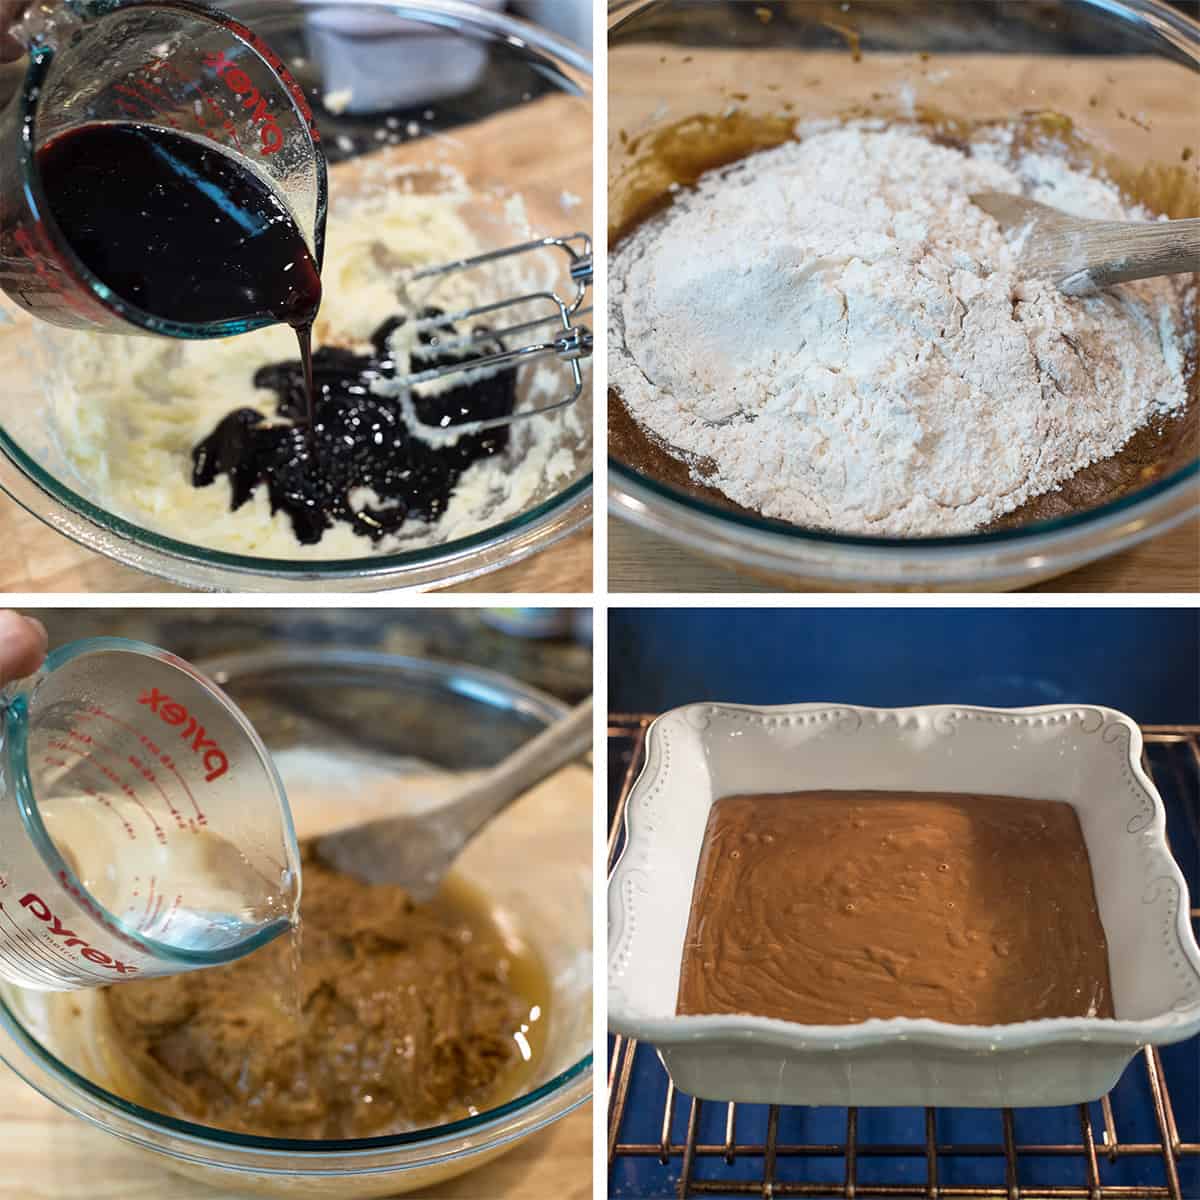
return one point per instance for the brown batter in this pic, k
(832, 907)
(409, 1017)
(677, 155)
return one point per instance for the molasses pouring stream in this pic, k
(160, 173)
(143, 828)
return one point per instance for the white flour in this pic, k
(833, 335)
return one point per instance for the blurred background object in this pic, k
(346, 44)
(561, 665)
(571, 19)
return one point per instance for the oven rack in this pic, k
(706, 1148)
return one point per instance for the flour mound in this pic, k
(832, 334)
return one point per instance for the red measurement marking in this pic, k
(154, 88)
(113, 777)
(152, 903)
(164, 759)
(226, 123)
(49, 270)
(166, 67)
(107, 803)
(149, 101)
(97, 914)
(171, 915)
(50, 761)
(149, 776)
(24, 951)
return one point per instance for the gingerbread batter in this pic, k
(409, 1017)
(832, 907)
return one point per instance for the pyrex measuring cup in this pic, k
(169, 65)
(143, 828)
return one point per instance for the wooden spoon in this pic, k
(416, 850)
(1083, 256)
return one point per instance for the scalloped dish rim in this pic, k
(1170, 1026)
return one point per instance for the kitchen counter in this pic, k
(37, 559)
(643, 562)
(49, 1155)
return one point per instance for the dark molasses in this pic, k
(178, 227)
(358, 440)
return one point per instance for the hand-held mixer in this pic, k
(571, 344)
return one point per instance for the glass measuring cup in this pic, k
(143, 828)
(169, 65)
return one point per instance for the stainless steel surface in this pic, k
(572, 345)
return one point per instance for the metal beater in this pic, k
(571, 344)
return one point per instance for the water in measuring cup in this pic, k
(194, 890)
(181, 228)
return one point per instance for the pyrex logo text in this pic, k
(40, 909)
(241, 85)
(215, 762)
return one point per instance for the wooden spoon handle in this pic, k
(1116, 253)
(538, 759)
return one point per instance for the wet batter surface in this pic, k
(410, 1015)
(834, 907)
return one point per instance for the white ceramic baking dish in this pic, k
(1087, 755)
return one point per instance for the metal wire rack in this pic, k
(699, 1148)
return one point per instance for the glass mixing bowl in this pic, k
(1121, 70)
(429, 69)
(327, 715)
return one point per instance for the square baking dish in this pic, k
(1087, 755)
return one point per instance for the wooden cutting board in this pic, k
(50, 1155)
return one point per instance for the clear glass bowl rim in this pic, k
(1182, 32)
(570, 61)
(497, 690)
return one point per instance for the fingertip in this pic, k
(40, 630)
(23, 644)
